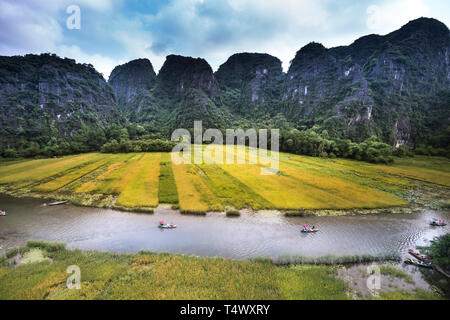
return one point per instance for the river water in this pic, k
(251, 235)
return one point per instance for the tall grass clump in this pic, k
(284, 260)
(47, 246)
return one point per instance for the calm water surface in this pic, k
(251, 235)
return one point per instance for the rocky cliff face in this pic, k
(396, 87)
(46, 95)
(377, 85)
(249, 79)
(191, 90)
(132, 79)
(184, 90)
(180, 74)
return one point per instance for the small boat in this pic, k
(438, 223)
(58, 203)
(419, 256)
(418, 263)
(2, 213)
(309, 229)
(163, 225)
(167, 226)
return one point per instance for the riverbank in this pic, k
(139, 182)
(148, 275)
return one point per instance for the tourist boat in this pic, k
(163, 225)
(418, 263)
(58, 203)
(2, 213)
(309, 229)
(419, 256)
(438, 223)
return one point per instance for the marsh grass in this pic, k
(285, 260)
(394, 272)
(416, 294)
(232, 213)
(147, 275)
(193, 213)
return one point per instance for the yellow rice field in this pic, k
(133, 181)
(141, 190)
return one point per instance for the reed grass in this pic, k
(284, 260)
(147, 275)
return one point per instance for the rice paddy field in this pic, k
(142, 181)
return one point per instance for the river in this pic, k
(250, 235)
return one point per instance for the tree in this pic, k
(439, 250)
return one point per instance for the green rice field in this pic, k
(142, 181)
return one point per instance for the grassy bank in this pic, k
(148, 275)
(141, 181)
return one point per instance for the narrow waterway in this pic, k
(251, 235)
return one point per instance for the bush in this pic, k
(10, 153)
(125, 146)
(401, 152)
(47, 246)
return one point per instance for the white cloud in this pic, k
(390, 16)
(212, 29)
(21, 30)
(101, 63)
(32, 27)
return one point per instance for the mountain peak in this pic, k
(312, 48)
(141, 66)
(132, 78)
(242, 67)
(180, 73)
(428, 24)
(429, 27)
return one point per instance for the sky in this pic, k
(112, 32)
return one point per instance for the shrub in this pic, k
(10, 153)
(47, 246)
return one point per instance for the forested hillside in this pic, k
(379, 93)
